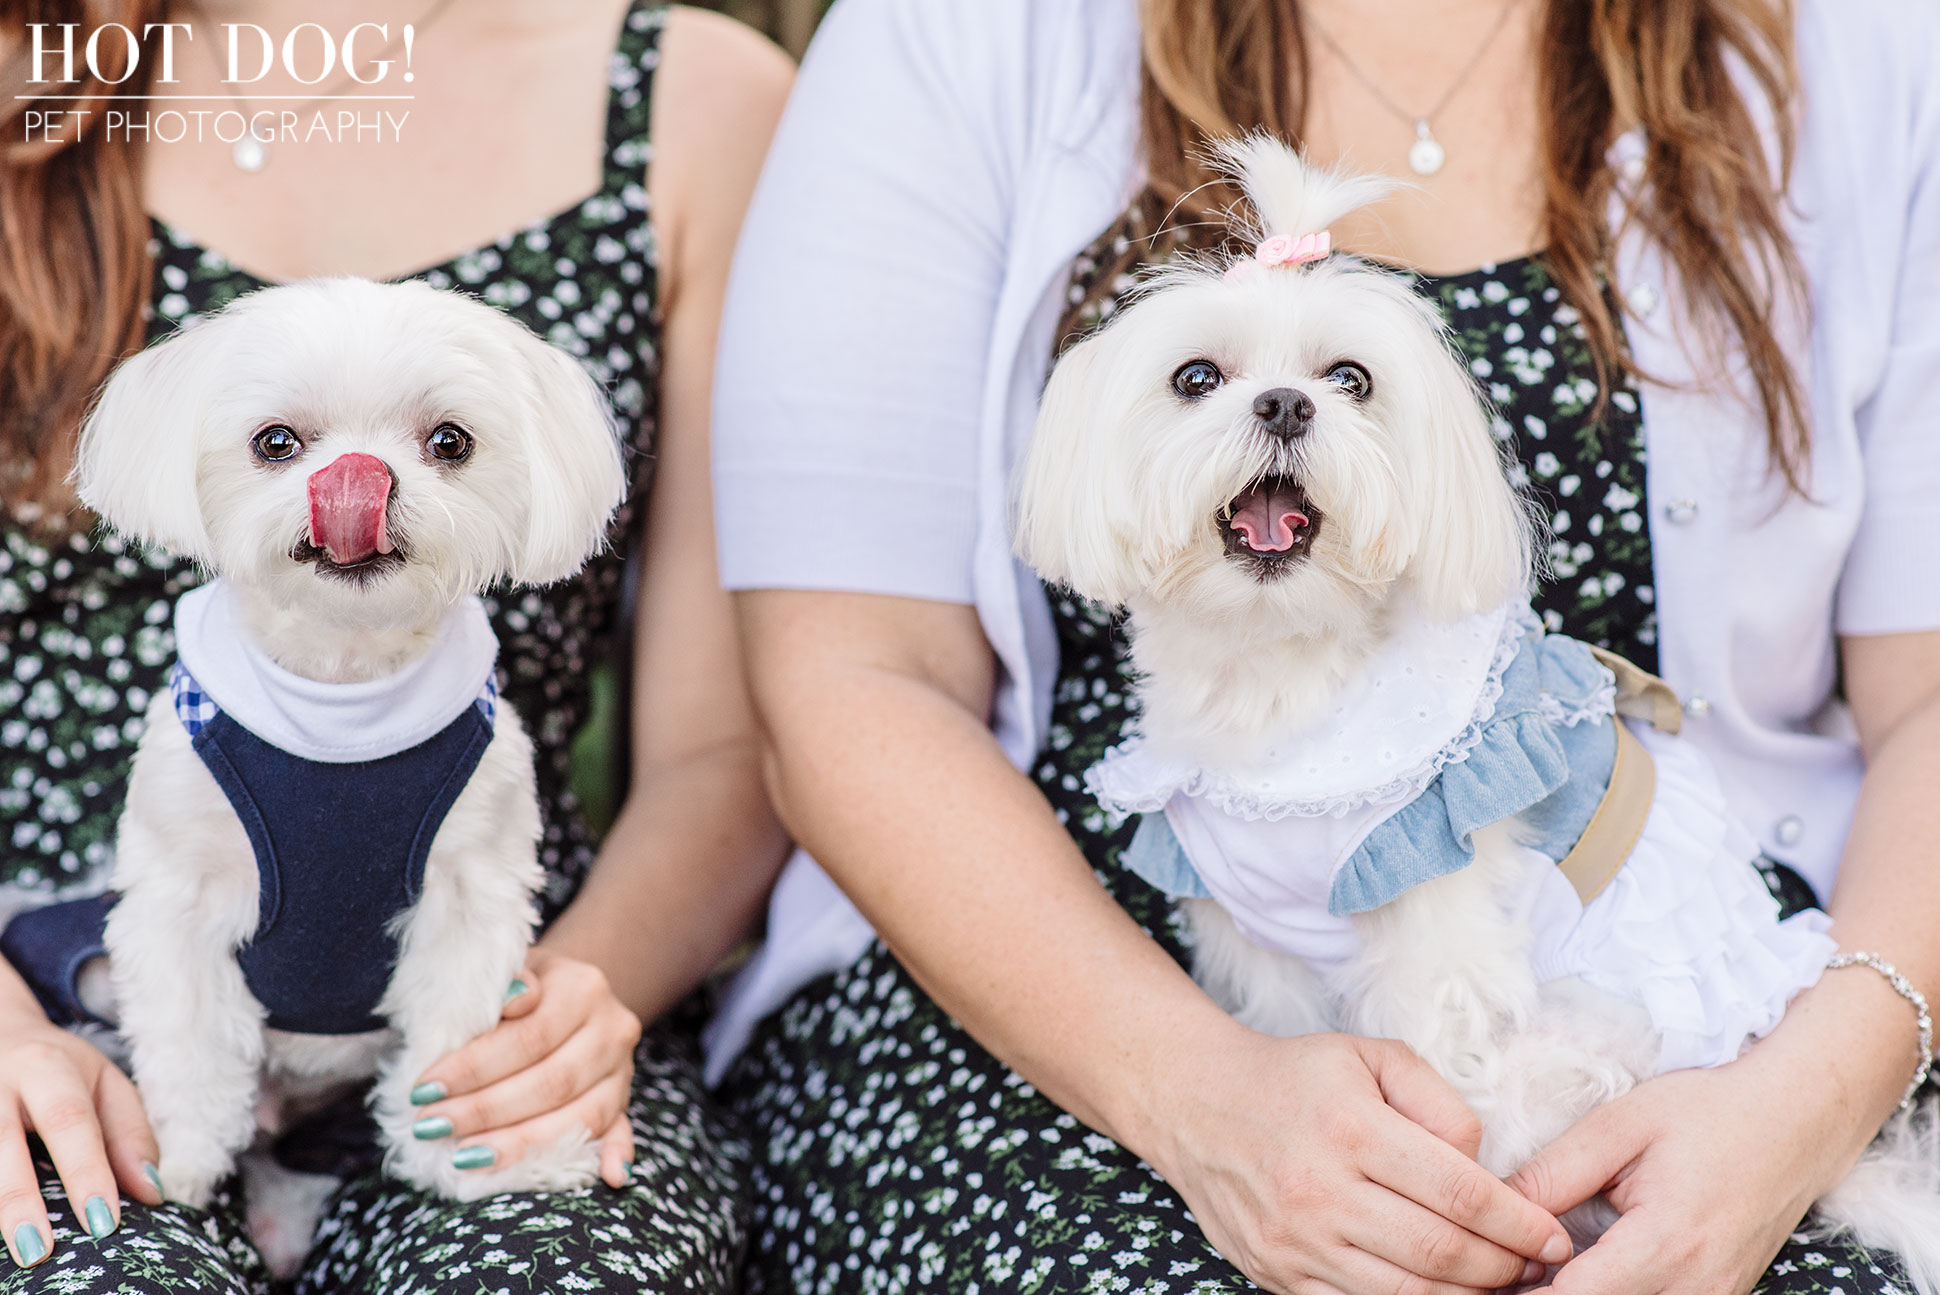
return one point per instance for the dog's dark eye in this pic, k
(1198, 380)
(275, 444)
(449, 444)
(1351, 378)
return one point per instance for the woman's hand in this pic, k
(561, 1058)
(1658, 1154)
(1335, 1165)
(89, 1117)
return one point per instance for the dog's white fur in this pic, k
(165, 458)
(1121, 497)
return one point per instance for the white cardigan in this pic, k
(889, 328)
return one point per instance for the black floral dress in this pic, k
(84, 642)
(896, 1155)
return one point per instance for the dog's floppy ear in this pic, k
(1062, 513)
(1473, 533)
(141, 446)
(576, 473)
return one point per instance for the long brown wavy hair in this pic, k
(1712, 199)
(74, 267)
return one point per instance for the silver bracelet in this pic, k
(1904, 988)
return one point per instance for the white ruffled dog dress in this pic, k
(1452, 728)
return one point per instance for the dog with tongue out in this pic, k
(348, 503)
(327, 863)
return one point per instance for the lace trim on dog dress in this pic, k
(901, 1156)
(86, 643)
(1427, 695)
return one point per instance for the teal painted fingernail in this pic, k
(473, 1158)
(427, 1092)
(100, 1221)
(154, 1177)
(29, 1244)
(516, 988)
(431, 1128)
(626, 1172)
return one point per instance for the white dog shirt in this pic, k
(333, 723)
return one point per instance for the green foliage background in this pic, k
(790, 22)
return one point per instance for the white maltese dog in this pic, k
(1389, 803)
(328, 859)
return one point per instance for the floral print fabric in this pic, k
(676, 1227)
(896, 1155)
(85, 641)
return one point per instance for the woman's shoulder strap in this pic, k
(629, 105)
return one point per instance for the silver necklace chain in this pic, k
(1426, 156)
(251, 152)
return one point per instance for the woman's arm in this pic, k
(685, 868)
(1887, 899)
(1326, 1159)
(691, 857)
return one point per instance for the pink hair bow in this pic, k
(1282, 249)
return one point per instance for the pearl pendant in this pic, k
(1425, 155)
(249, 153)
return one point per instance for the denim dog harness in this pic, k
(340, 852)
(340, 789)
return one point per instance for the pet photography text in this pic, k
(350, 88)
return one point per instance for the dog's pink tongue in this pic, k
(347, 503)
(1267, 517)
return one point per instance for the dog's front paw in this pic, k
(571, 1162)
(191, 1181)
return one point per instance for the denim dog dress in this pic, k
(1455, 727)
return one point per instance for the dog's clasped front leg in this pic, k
(436, 1012)
(1445, 968)
(460, 948)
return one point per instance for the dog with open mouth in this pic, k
(327, 864)
(1388, 802)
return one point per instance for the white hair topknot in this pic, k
(1287, 194)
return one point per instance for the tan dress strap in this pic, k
(1619, 819)
(1642, 695)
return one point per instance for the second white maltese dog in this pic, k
(1391, 804)
(327, 861)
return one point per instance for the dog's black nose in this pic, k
(1285, 412)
